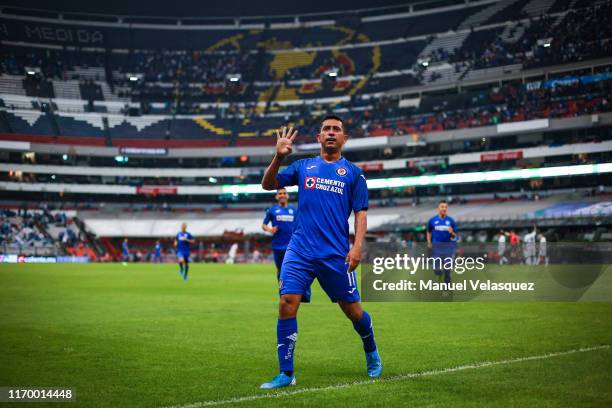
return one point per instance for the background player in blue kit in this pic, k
(183, 242)
(442, 239)
(282, 217)
(157, 252)
(125, 250)
(330, 188)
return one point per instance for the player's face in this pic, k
(332, 136)
(183, 227)
(282, 197)
(442, 209)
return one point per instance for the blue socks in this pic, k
(184, 270)
(364, 328)
(286, 335)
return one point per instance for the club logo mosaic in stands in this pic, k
(346, 60)
(310, 182)
(341, 171)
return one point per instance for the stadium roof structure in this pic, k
(217, 8)
(555, 210)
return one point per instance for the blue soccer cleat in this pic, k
(374, 364)
(281, 380)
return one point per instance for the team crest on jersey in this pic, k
(341, 171)
(310, 182)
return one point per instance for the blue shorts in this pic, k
(183, 255)
(441, 258)
(298, 272)
(279, 255)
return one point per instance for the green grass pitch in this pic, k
(138, 336)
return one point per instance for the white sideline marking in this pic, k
(389, 379)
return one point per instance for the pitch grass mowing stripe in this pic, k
(400, 377)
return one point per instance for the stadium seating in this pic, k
(417, 26)
(29, 122)
(515, 37)
(435, 113)
(24, 233)
(232, 87)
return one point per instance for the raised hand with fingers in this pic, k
(284, 141)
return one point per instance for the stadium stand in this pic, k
(574, 96)
(22, 232)
(430, 89)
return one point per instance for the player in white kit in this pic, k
(542, 250)
(501, 247)
(231, 255)
(529, 247)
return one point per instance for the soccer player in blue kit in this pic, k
(330, 188)
(183, 242)
(282, 217)
(157, 252)
(125, 250)
(441, 239)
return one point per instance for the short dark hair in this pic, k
(280, 188)
(334, 117)
(442, 202)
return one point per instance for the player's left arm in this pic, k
(360, 206)
(453, 230)
(361, 225)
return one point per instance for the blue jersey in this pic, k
(126, 250)
(282, 218)
(327, 194)
(157, 249)
(182, 245)
(440, 232)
